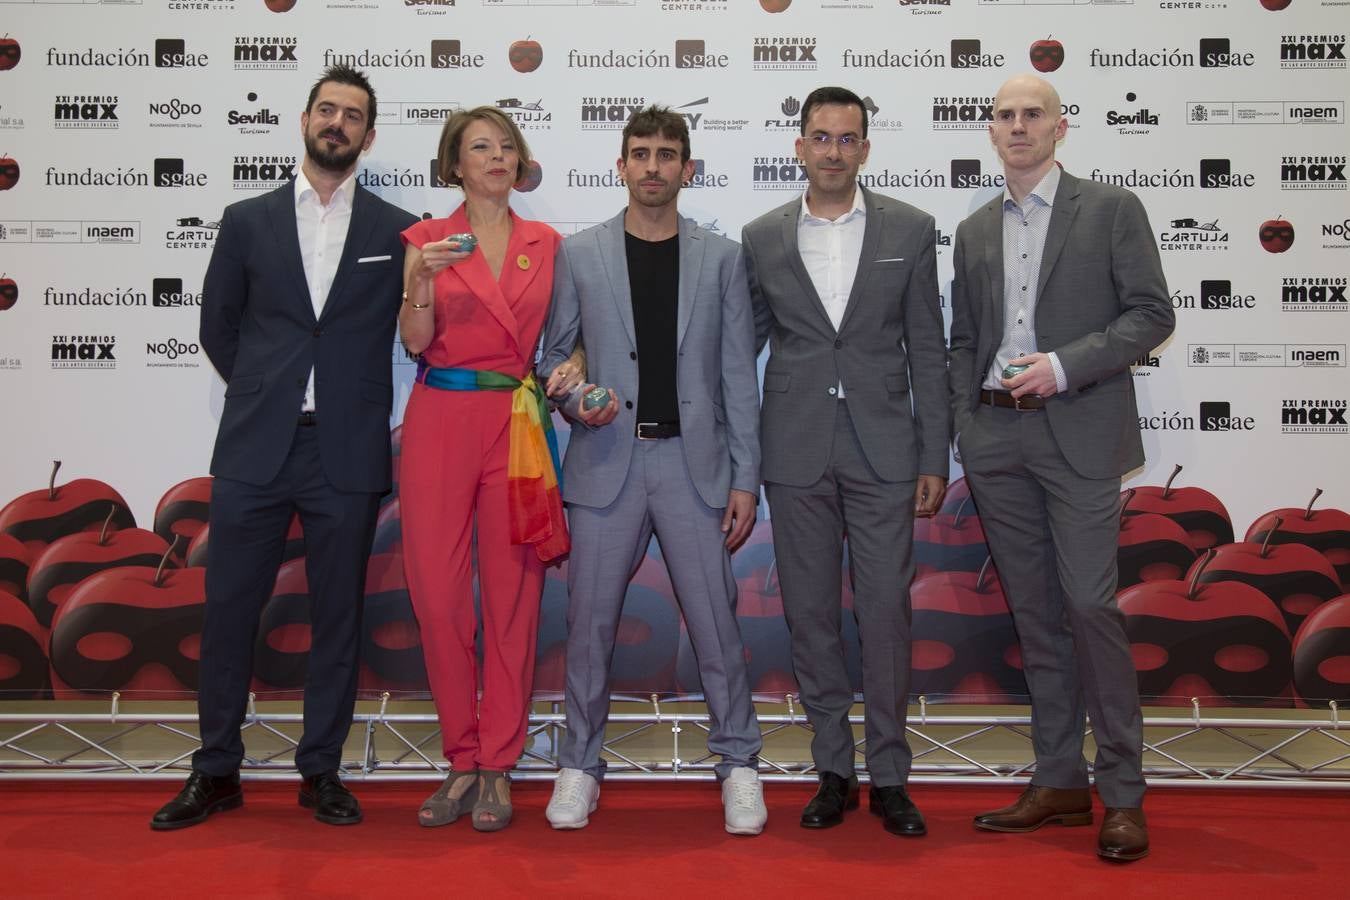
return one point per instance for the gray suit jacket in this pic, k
(715, 369)
(888, 353)
(1101, 304)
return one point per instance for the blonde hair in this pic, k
(452, 133)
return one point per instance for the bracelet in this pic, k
(414, 305)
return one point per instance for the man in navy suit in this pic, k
(299, 306)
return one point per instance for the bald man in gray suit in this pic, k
(1062, 277)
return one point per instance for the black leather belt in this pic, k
(651, 431)
(1006, 400)
(309, 418)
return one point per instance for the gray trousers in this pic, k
(608, 544)
(1053, 535)
(809, 524)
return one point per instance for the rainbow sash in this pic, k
(533, 468)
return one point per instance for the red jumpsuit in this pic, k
(452, 475)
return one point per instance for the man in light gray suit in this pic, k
(854, 424)
(1060, 276)
(672, 446)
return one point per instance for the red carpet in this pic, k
(76, 839)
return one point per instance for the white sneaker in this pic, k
(575, 796)
(743, 802)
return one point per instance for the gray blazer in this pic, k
(1102, 303)
(889, 351)
(715, 368)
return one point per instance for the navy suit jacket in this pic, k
(259, 330)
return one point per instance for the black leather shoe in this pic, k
(202, 795)
(898, 813)
(835, 794)
(332, 803)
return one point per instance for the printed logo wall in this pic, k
(126, 130)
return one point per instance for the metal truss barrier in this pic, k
(1308, 749)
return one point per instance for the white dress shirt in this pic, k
(323, 233)
(831, 250)
(1024, 230)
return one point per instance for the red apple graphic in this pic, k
(1047, 55)
(1325, 530)
(1151, 547)
(388, 529)
(1322, 654)
(526, 55)
(950, 542)
(1276, 235)
(965, 648)
(15, 560)
(9, 293)
(957, 496)
(1276, 5)
(23, 661)
(1295, 577)
(134, 629)
(533, 177)
(10, 51)
(1223, 641)
(67, 561)
(280, 6)
(281, 654)
(39, 517)
(184, 509)
(9, 172)
(391, 643)
(1197, 510)
(774, 6)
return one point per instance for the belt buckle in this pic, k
(1017, 404)
(642, 425)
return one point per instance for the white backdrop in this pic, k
(132, 124)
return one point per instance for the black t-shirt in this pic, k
(654, 282)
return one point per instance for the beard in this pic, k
(660, 198)
(339, 158)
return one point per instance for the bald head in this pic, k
(1027, 126)
(1030, 85)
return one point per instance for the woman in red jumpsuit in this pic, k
(474, 314)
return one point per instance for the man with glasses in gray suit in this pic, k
(854, 424)
(669, 443)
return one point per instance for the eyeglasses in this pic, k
(848, 144)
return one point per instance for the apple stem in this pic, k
(984, 569)
(960, 511)
(51, 484)
(1307, 515)
(107, 523)
(1129, 495)
(1195, 579)
(1265, 545)
(164, 560)
(769, 575)
(1167, 488)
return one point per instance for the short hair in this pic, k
(660, 120)
(447, 154)
(345, 74)
(842, 96)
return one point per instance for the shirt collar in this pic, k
(859, 209)
(1044, 191)
(341, 197)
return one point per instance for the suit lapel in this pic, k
(281, 215)
(614, 257)
(691, 266)
(871, 237)
(1062, 215)
(477, 276)
(793, 254)
(359, 229)
(992, 226)
(524, 260)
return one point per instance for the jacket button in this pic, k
(632, 355)
(839, 345)
(832, 391)
(628, 404)
(299, 382)
(318, 331)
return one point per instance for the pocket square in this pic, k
(892, 259)
(366, 259)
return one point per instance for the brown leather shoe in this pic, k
(1040, 806)
(1124, 835)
